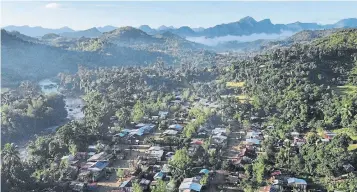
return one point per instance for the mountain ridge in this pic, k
(245, 26)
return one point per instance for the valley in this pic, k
(126, 109)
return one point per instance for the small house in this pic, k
(170, 132)
(298, 183)
(219, 131)
(176, 127)
(163, 114)
(190, 184)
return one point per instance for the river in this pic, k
(73, 107)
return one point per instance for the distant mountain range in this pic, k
(248, 26)
(25, 57)
(245, 26)
(36, 31)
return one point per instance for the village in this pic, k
(141, 155)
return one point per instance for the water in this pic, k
(47, 82)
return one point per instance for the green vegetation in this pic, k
(345, 90)
(25, 111)
(344, 38)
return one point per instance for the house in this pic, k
(295, 134)
(140, 125)
(197, 141)
(81, 156)
(298, 183)
(176, 127)
(166, 169)
(170, 132)
(126, 186)
(102, 156)
(219, 140)
(193, 150)
(348, 167)
(190, 184)
(329, 135)
(71, 160)
(270, 188)
(155, 153)
(219, 131)
(204, 171)
(252, 141)
(98, 166)
(253, 134)
(276, 173)
(144, 183)
(163, 114)
(78, 186)
(159, 175)
(299, 141)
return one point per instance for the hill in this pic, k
(36, 31)
(26, 60)
(22, 59)
(90, 33)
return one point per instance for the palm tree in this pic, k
(10, 154)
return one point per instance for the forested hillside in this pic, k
(307, 89)
(26, 58)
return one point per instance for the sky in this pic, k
(83, 15)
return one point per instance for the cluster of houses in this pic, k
(149, 163)
(89, 167)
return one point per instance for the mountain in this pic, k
(90, 33)
(184, 31)
(126, 35)
(245, 26)
(36, 31)
(24, 37)
(165, 28)
(147, 29)
(198, 29)
(350, 22)
(302, 37)
(106, 28)
(23, 60)
(248, 26)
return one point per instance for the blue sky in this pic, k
(83, 15)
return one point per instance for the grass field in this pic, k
(235, 84)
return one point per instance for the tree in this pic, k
(160, 186)
(122, 115)
(181, 160)
(14, 177)
(137, 187)
(138, 111)
(120, 173)
(259, 168)
(204, 180)
(73, 149)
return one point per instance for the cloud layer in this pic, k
(53, 6)
(245, 38)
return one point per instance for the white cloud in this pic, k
(53, 6)
(245, 38)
